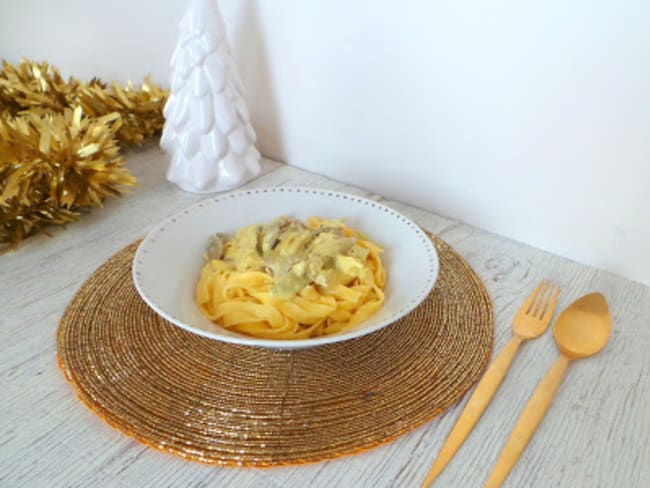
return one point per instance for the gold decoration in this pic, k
(40, 88)
(59, 144)
(141, 110)
(213, 402)
(54, 166)
(35, 87)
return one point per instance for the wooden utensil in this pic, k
(531, 321)
(581, 330)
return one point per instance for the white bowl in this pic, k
(168, 261)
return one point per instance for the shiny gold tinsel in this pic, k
(141, 110)
(35, 87)
(59, 144)
(40, 88)
(53, 167)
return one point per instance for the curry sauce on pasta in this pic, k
(291, 280)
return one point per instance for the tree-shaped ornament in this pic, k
(207, 130)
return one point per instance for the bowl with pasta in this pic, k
(285, 267)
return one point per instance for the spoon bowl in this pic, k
(583, 328)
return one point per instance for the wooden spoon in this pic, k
(581, 330)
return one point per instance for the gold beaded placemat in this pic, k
(233, 405)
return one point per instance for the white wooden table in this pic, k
(596, 434)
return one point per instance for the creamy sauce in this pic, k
(294, 254)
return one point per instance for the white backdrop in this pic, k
(529, 119)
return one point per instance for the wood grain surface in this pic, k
(596, 433)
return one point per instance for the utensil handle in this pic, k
(474, 409)
(527, 423)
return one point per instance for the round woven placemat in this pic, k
(243, 406)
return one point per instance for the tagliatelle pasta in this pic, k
(289, 280)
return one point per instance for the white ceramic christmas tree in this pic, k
(207, 124)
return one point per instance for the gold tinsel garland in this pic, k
(59, 144)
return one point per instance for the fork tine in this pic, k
(550, 307)
(540, 299)
(544, 299)
(525, 307)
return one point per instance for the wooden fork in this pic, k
(531, 321)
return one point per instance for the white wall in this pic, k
(527, 118)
